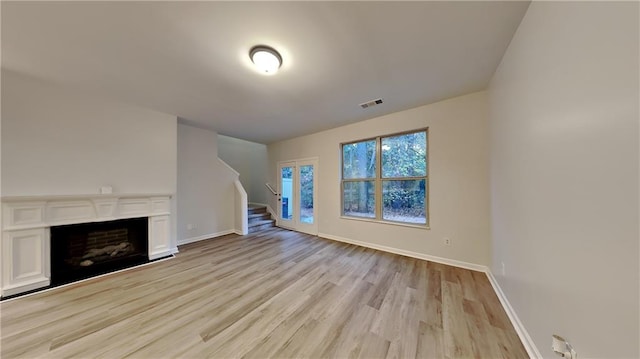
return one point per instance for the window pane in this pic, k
(359, 160)
(403, 201)
(405, 155)
(359, 199)
(306, 194)
(286, 180)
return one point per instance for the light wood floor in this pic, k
(272, 294)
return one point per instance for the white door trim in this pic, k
(295, 223)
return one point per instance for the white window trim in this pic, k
(378, 183)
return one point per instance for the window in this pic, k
(386, 179)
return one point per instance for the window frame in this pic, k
(378, 179)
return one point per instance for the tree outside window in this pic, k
(386, 178)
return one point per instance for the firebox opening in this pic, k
(80, 251)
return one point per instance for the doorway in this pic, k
(297, 195)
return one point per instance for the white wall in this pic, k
(564, 176)
(205, 186)
(249, 159)
(56, 141)
(458, 182)
(1, 214)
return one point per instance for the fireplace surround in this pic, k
(28, 223)
(80, 251)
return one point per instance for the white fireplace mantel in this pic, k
(26, 223)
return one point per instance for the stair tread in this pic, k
(259, 218)
(264, 227)
(259, 223)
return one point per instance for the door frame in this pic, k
(289, 224)
(296, 224)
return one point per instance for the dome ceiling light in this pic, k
(266, 58)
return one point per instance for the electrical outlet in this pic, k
(191, 227)
(446, 241)
(504, 269)
(562, 347)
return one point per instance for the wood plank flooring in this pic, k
(275, 293)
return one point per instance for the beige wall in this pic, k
(458, 163)
(249, 159)
(205, 186)
(0, 149)
(564, 176)
(56, 141)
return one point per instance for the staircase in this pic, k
(259, 218)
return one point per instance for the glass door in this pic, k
(306, 190)
(286, 174)
(298, 195)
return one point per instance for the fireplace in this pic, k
(72, 237)
(80, 251)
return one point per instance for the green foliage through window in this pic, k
(306, 189)
(386, 178)
(287, 172)
(358, 199)
(404, 155)
(359, 160)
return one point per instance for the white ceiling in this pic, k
(191, 59)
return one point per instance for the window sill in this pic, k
(372, 220)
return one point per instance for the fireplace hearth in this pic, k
(80, 251)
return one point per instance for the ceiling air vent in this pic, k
(371, 103)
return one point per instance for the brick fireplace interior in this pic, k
(80, 251)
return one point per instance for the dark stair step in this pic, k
(259, 217)
(261, 225)
(257, 209)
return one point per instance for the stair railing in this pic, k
(271, 189)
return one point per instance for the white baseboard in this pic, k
(25, 288)
(528, 344)
(206, 236)
(526, 340)
(451, 262)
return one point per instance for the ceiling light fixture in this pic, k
(266, 58)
